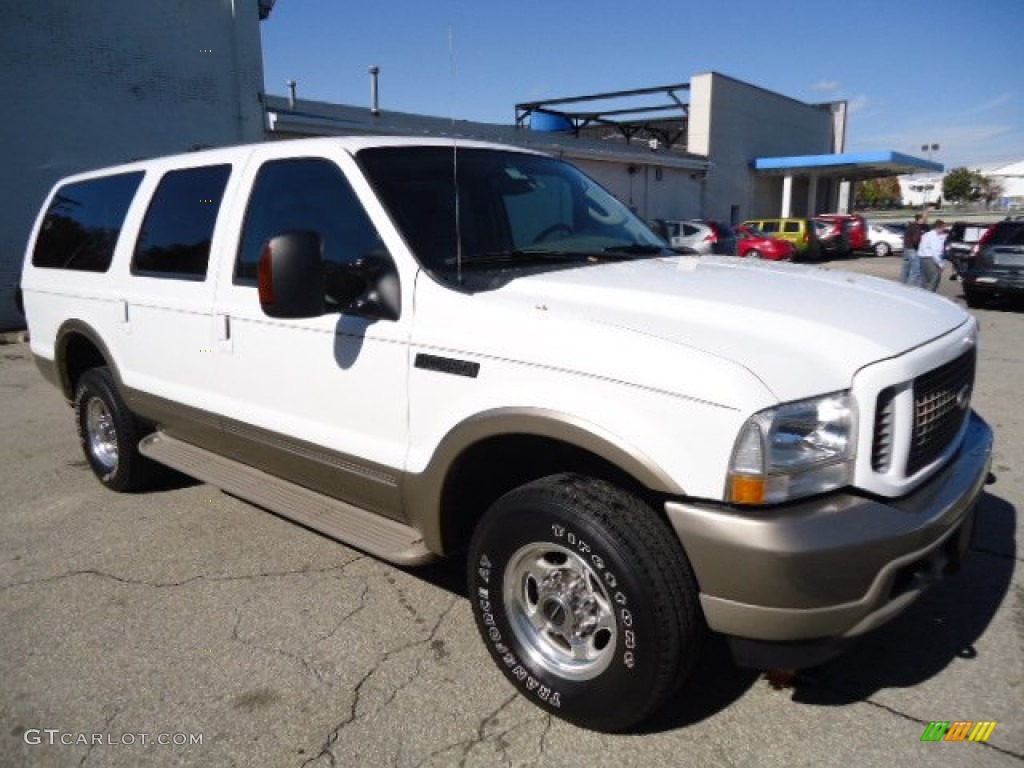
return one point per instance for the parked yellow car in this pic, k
(800, 232)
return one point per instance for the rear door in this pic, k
(164, 331)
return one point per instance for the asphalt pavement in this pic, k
(185, 627)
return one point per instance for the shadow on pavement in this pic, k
(714, 684)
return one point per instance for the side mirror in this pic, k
(368, 286)
(291, 275)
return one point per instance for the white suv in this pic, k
(426, 349)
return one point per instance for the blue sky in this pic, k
(947, 72)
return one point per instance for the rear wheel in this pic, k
(585, 600)
(882, 249)
(109, 433)
(753, 253)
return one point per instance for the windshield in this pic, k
(511, 212)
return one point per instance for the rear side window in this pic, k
(178, 228)
(83, 222)
(791, 226)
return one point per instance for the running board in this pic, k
(379, 536)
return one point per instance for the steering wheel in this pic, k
(549, 231)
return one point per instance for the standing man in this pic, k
(911, 272)
(931, 252)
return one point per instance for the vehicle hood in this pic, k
(801, 330)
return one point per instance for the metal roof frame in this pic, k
(668, 129)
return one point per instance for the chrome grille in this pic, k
(942, 399)
(881, 444)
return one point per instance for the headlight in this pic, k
(794, 450)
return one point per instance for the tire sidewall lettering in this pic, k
(489, 578)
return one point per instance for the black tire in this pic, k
(974, 300)
(109, 434)
(572, 557)
(882, 249)
(753, 253)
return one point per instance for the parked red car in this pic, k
(841, 234)
(754, 244)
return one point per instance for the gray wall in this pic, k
(675, 195)
(733, 122)
(88, 84)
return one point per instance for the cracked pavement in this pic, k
(185, 610)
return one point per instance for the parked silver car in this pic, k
(884, 239)
(701, 235)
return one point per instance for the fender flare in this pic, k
(423, 492)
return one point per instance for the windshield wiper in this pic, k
(520, 255)
(637, 249)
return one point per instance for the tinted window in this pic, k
(176, 233)
(83, 222)
(1010, 233)
(769, 226)
(304, 194)
(502, 202)
(791, 226)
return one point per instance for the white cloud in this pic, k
(857, 104)
(992, 103)
(827, 85)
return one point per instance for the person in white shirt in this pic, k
(931, 251)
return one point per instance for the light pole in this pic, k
(929, 185)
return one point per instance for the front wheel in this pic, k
(753, 253)
(882, 249)
(585, 600)
(974, 299)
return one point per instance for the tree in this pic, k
(883, 191)
(960, 186)
(990, 188)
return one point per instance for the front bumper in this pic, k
(802, 578)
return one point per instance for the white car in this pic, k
(627, 446)
(884, 240)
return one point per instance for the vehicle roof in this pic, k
(350, 144)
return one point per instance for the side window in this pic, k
(83, 222)
(769, 226)
(178, 228)
(791, 226)
(304, 194)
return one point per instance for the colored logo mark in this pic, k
(958, 730)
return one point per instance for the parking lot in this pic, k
(186, 627)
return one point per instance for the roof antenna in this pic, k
(455, 160)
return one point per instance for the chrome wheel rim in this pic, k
(100, 434)
(559, 611)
